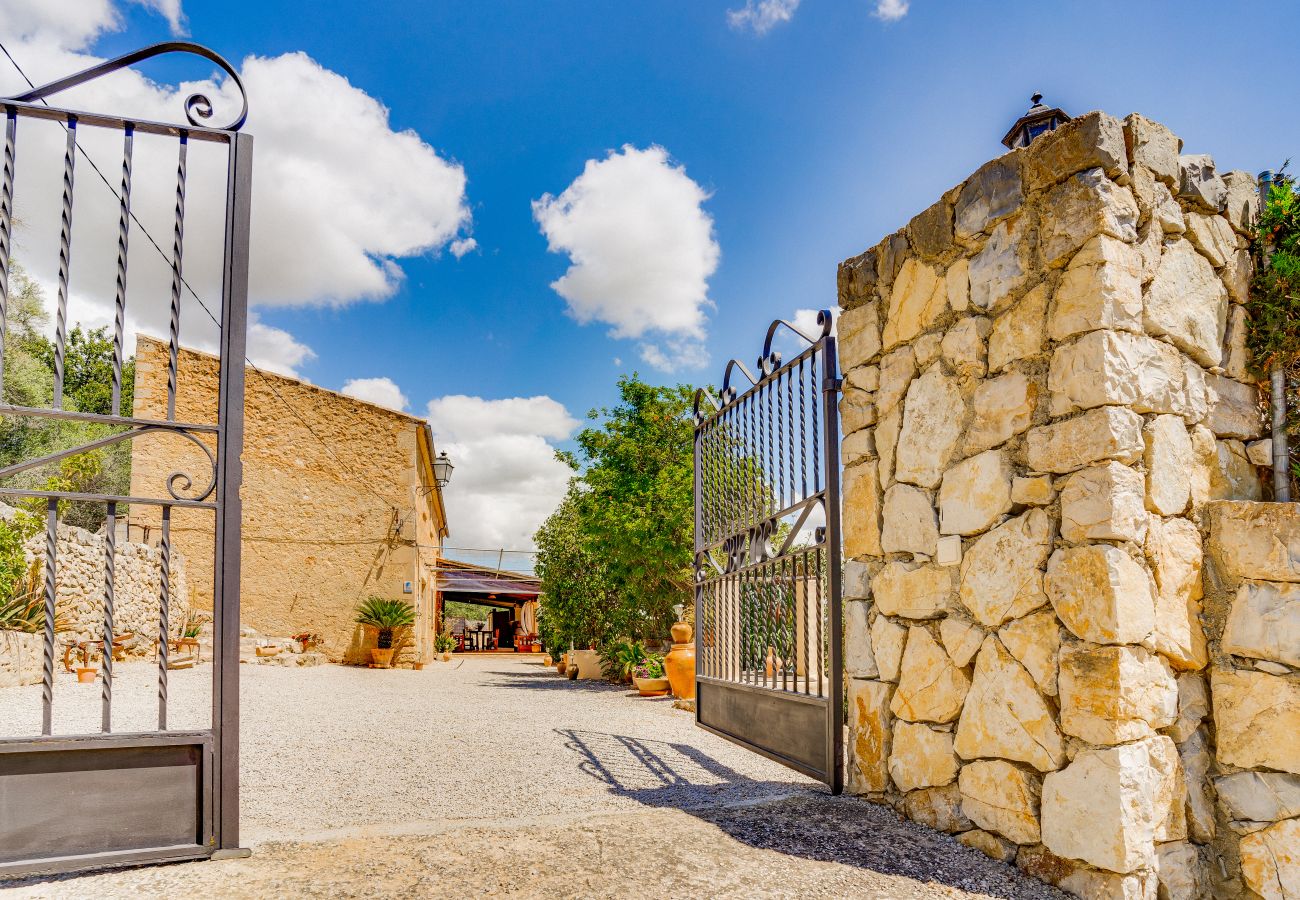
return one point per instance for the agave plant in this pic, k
(386, 616)
(24, 609)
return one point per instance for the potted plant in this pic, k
(443, 644)
(620, 660)
(649, 678)
(386, 617)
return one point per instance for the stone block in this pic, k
(913, 591)
(958, 284)
(1002, 408)
(886, 433)
(930, 231)
(858, 335)
(1001, 574)
(1259, 796)
(938, 808)
(1035, 642)
(926, 348)
(891, 253)
(1098, 885)
(1109, 432)
(1194, 753)
(869, 735)
(1101, 594)
(1115, 367)
(1101, 288)
(1173, 549)
(859, 447)
(992, 194)
(1270, 861)
(948, 550)
(1213, 236)
(1020, 331)
(887, 640)
(1003, 798)
(855, 584)
(864, 378)
(910, 524)
(1235, 410)
(989, 844)
(1241, 204)
(918, 298)
(963, 346)
(855, 280)
(975, 494)
(857, 411)
(1181, 871)
(933, 417)
(1236, 275)
(1104, 503)
(1105, 807)
(961, 639)
(1033, 490)
(1255, 540)
(1222, 471)
(1193, 706)
(1260, 453)
(930, 687)
(1257, 718)
(1004, 267)
(1005, 716)
(1199, 183)
(1082, 207)
(859, 661)
(897, 369)
(1154, 146)
(1091, 141)
(1114, 694)
(921, 757)
(1188, 304)
(1168, 458)
(861, 516)
(1265, 622)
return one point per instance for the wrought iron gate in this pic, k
(76, 801)
(767, 558)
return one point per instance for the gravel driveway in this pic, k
(494, 776)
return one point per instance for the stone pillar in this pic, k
(1046, 371)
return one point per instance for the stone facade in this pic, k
(1062, 675)
(323, 528)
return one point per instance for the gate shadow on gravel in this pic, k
(796, 818)
(545, 679)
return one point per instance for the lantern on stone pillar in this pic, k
(1038, 120)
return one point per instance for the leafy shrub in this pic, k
(621, 658)
(444, 642)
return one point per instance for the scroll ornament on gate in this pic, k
(197, 106)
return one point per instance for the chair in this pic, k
(458, 634)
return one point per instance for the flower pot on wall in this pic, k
(679, 664)
(87, 675)
(382, 659)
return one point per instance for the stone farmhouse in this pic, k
(339, 503)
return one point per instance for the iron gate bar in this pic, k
(768, 610)
(198, 768)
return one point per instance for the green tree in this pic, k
(576, 597)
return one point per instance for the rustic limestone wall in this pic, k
(20, 658)
(1045, 386)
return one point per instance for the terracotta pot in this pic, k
(561, 666)
(382, 659)
(680, 663)
(546, 660)
(651, 687)
(268, 651)
(87, 675)
(445, 657)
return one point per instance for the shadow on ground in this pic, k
(795, 818)
(544, 679)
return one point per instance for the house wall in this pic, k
(319, 525)
(1045, 393)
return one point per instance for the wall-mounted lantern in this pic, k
(442, 469)
(1038, 120)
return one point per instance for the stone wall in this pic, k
(20, 658)
(1045, 386)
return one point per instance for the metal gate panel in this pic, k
(69, 803)
(767, 557)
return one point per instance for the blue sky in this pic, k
(811, 140)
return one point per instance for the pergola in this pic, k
(497, 588)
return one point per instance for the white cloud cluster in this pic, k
(641, 250)
(891, 10)
(761, 16)
(507, 479)
(381, 391)
(339, 196)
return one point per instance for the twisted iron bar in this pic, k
(164, 613)
(65, 261)
(178, 238)
(110, 551)
(119, 301)
(197, 106)
(6, 225)
(47, 670)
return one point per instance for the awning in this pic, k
(453, 581)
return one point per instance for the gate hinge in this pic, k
(833, 385)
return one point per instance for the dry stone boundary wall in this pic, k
(1047, 419)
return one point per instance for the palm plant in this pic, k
(620, 659)
(24, 608)
(386, 616)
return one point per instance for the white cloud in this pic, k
(339, 196)
(673, 354)
(507, 479)
(380, 391)
(462, 246)
(891, 10)
(761, 16)
(169, 10)
(641, 248)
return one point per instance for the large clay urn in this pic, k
(680, 663)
